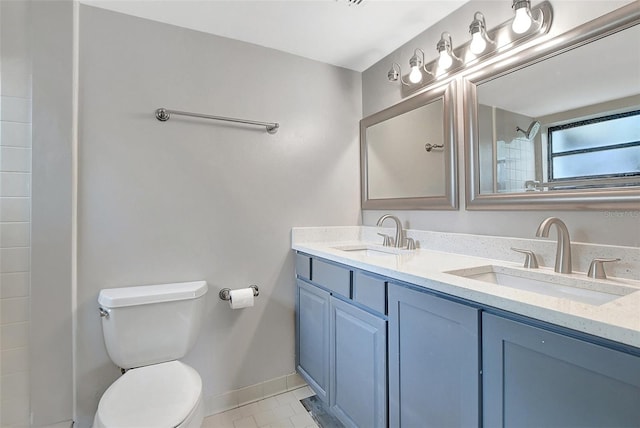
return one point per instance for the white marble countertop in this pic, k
(617, 320)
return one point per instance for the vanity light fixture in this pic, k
(479, 36)
(523, 19)
(417, 66)
(416, 63)
(445, 52)
(527, 24)
(395, 74)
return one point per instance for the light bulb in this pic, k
(416, 75)
(522, 21)
(478, 43)
(445, 60)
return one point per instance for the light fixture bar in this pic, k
(504, 38)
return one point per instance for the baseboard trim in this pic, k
(240, 397)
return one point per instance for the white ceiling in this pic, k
(331, 31)
(594, 73)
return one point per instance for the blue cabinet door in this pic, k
(313, 338)
(533, 377)
(434, 367)
(358, 366)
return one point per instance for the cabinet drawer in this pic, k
(303, 266)
(370, 291)
(333, 277)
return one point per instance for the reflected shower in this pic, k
(532, 131)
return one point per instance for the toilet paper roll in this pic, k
(241, 298)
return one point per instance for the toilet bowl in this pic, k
(162, 395)
(147, 329)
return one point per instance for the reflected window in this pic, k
(607, 146)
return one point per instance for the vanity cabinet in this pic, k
(533, 377)
(381, 352)
(342, 340)
(434, 365)
(312, 319)
(358, 366)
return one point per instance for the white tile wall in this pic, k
(14, 336)
(15, 159)
(15, 109)
(19, 84)
(14, 361)
(13, 310)
(15, 412)
(15, 184)
(15, 209)
(15, 213)
(14, 285)
(518, 164)
(14, 260)
(15, 234)
(15, 134)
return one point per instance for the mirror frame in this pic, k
(606, 198)
(447, 201)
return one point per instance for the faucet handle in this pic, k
(530, 260)
(596, 268)
(411, 244)
(387, 241)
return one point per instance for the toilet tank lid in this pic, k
(145, 294)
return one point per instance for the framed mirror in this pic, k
(558, 125)
(408, 154)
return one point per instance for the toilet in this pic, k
(147, 329)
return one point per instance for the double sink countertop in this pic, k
(608, 308)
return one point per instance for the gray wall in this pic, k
(605, 227)
(404, 169)
(192, 199)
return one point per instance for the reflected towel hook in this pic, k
(428, 147)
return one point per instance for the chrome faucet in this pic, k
(399, 242)
(563, 252)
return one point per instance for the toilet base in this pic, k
(165, 395)
(194, 420)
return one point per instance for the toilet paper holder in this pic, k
(225, 293)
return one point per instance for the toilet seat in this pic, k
(156, 396)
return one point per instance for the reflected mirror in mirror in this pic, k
(565, 129)
(407, 154)
(582, 123)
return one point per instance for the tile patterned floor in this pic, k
(279, 411)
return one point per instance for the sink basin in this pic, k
(370, 250)
(566, 287)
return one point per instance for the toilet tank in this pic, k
(151, 324)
